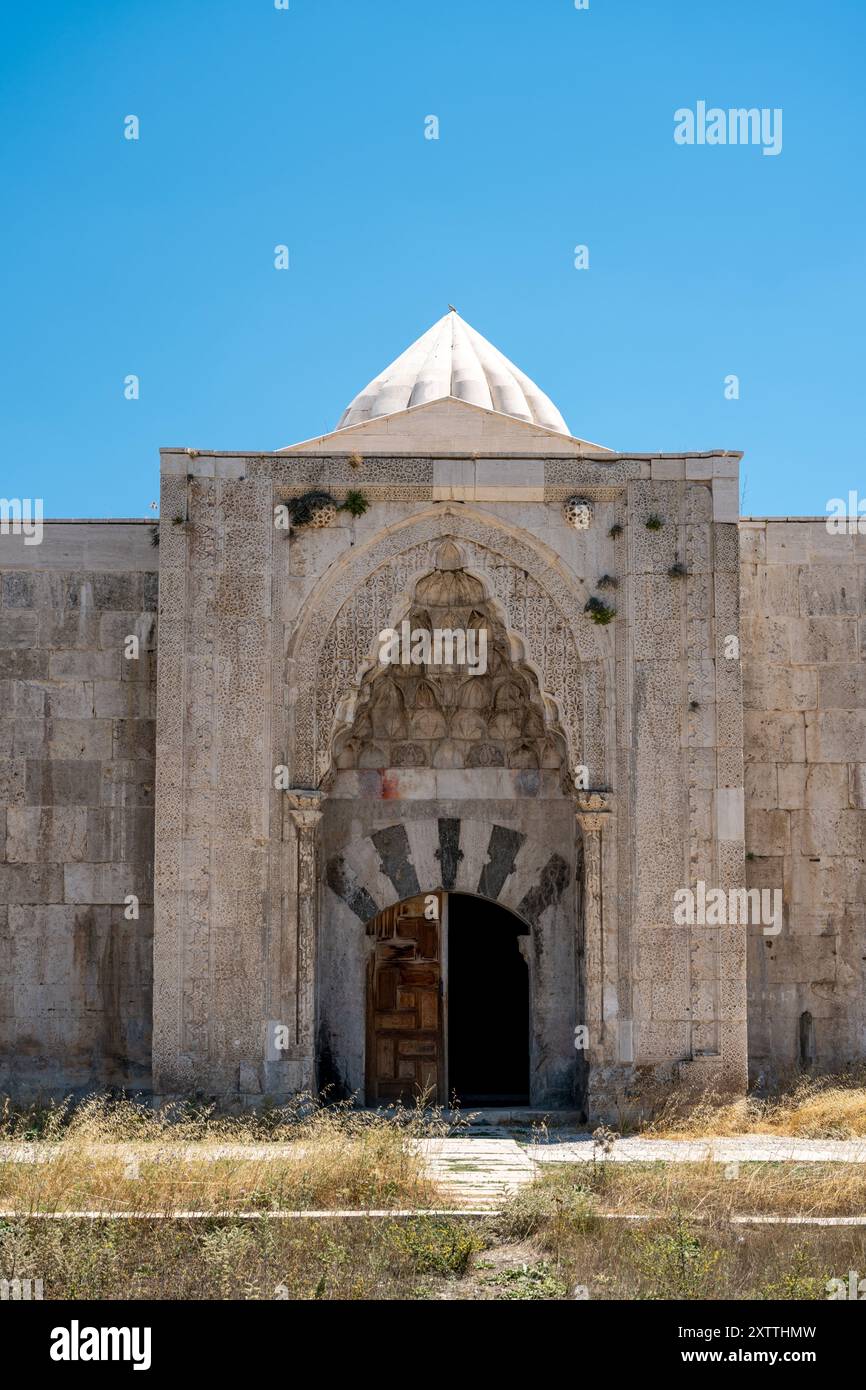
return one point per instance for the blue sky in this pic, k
(306, 127)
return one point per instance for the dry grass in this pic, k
(104, 1155)
(687, 1248)
(709, 1190)
(549, 1245)
(119, 1156)
(813, 1108)
(672, 1258)
(107, 1119)
(554, 1239)
(267, 1259)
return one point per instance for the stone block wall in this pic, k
(77, 727)
(77, 723)
(221, 958)
(684, 748)
(804, 670)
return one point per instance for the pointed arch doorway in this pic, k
(448, 1002)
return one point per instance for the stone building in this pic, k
(246, 856)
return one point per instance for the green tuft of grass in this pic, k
(600, 612)
(355, 503)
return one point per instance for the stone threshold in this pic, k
(481, 1116)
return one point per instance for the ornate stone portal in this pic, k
(443, 735)
(579, 776)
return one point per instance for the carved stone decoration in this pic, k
(449, 852)
(577, 512)
(305, 811)
(593, 813)
(437, 713)
(535, 598)
(593, 809)
(323, 515)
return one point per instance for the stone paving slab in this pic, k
(493, 1143)
(484, 1170)
(477, 1171)
(179, 1214)
(154, 1152)
(397, 1213)
(744, 1148)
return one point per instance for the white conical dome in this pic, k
(451, 359)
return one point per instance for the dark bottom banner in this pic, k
(146, 1338)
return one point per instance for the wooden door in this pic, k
(404, 1006)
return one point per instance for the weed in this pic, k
(675, 1263)
(599, 611)
(433, 1246)
(530, 1282)
(355, 503)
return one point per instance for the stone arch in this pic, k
(498, 860)
(454, 854)
(540, 600)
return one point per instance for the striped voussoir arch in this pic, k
(497, 862)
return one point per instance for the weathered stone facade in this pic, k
(590, 773)
(76, 821)
(804, 697)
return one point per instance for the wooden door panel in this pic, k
(395, 1022)
(386, 989)
(404, 1042)
(417, 1047)
(429, 1010)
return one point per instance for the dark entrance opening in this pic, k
(488, 1004)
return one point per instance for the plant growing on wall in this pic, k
(654, 522)
(615, 530)
(312, 509)
(317, 509)
(355, 503)
(607, 581)
(677, 570)
(599, 611)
